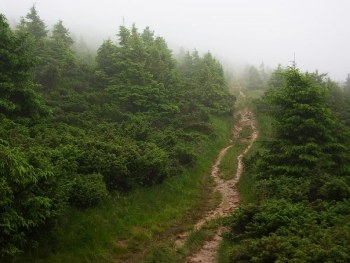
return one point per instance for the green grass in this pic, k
(247, 180)
(165, 252)
(246, 188)
(224, 252)
(229, 162)
(130, 226)
(246, 185)
(264, 125)
(246, 132)
(197, 238)
(254, 94)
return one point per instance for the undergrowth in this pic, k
(229, 162)
(128, 227)
(246, 184)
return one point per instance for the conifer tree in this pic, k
(307, 136)
(35, 25)
(35, 29)
(347, 85)
(60, 60)
(17, 97)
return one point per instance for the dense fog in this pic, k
(237, 32)
(129, 134)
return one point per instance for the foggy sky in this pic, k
(236, 31)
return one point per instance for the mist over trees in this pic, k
(74, 131)
(77, 129)
(301, 175)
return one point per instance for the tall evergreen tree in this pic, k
(132, 73)
(33, 26)
(276, 79)
(60, 59)
(347, 85)
(159, 61)
(307, 135)
(254, 79)
(203, 81)
(61, 34)
(17, 97)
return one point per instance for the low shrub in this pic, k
(88, 191)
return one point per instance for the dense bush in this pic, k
(280, 231)
(88, 191)
(24, 206)
(301, 179)
(73, 129)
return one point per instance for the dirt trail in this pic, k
(227, 188)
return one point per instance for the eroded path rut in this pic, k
(227, 188)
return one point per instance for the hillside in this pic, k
(76, 134)
(129, 153)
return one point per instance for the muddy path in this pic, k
(227, 188)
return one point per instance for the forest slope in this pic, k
(300, 176)
(76, 134)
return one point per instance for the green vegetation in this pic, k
(247, 182)
(135, 224)
(279, 230)
(256, 79)
(101, 157)
(197, 238)
(298, 170)
(106, 158)
(229, 162)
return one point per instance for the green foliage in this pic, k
(88, 191)
(229, 163)
(34, 28)
(347, 85)
(24, 207)
(34, 24)
(161, 253)
(277, 78)
(61, 61)
(17, 97)
(305, 130)
(120, 123)
(203, 84)
(281, 231)
(134, 225)
(123, 167)
(299, 174)
(254, 79)
(338, 100)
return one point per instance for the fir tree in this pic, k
(307, 135)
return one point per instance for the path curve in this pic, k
(227, 188)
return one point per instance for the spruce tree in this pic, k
(307, 136)
(17, 97)
(347, 85)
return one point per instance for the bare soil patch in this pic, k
(227, 188)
